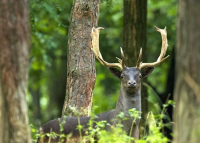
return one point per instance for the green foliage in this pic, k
(34, 133)
(154, 135)
(117, 134)
(155, 123)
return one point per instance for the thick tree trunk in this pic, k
(187, 90)
(81, 73)
(14, 57)
(134, 37)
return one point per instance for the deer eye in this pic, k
(122, 76)
(140, 75)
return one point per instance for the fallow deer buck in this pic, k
(129, 96)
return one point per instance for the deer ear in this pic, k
(115, 71)
(146, 71)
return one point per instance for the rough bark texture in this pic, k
(134, 37)
(187, 90)
(81, 73)
(14, 56)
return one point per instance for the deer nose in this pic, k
(131, 83)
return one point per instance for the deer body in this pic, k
(129, 96)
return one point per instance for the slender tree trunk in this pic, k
(36, 104)
(36, 94)
(14, 56)
(187, 90)
(134, 37)
(57, 77)
(81, 73)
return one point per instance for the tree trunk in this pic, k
(81, 73)
(187, 90)
(36, 105)
(14, 57)
(134, 37)
(58, 77)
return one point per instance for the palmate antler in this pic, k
(121, 65)
(95, 48)
(161, 58)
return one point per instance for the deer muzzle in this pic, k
(131, 83)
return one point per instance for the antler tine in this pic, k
(122, 55)
(95, 48)
(164, 42)
(139, 59)
(161, 58)
(95, 42)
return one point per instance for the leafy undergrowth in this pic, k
(117, 134)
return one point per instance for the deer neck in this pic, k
(125, 102)
(128, 101)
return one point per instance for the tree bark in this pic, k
(134, 37)
(187, 80)
(14, 57)
(81, 73)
